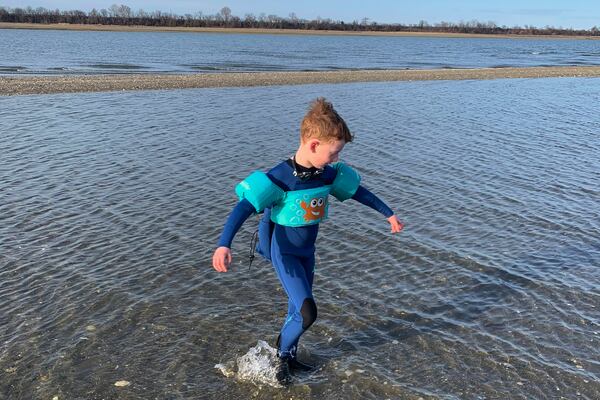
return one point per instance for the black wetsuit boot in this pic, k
(296, 365)
(293, 362)
(283, 375)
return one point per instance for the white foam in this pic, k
(258, 365)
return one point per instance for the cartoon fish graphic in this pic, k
(315, 210)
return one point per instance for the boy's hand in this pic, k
(397, 226)
(222, 259)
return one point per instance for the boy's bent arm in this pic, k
(236, 219)
(239, 214)
(364, 196)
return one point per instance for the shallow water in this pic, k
(50, 52)
(111, 205)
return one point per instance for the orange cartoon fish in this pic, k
(315, 210)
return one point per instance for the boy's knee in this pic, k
(308, 312)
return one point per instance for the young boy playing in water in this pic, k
(294, 198)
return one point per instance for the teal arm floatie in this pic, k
(346, 182)
(259, 190)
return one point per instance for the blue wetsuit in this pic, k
(292, 249)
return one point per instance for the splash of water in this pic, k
(258, 365)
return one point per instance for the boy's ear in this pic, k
(313, 143)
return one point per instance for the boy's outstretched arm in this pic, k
(222, 255)
(364, 196)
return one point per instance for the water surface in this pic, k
(89, 52)
(111, 205)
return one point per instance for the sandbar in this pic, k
(23, 84)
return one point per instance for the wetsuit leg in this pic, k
(308, 311)
(296, 276)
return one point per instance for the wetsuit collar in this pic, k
(302, 172)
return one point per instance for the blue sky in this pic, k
(578, 14)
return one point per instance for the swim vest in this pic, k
(297, 207)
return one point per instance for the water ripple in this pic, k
(111, 205)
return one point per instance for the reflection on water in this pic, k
(111, 204)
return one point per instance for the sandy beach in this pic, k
(22, 85)
(123, 28)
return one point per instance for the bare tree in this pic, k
(125, 11)
(225, 13)
(250, 20)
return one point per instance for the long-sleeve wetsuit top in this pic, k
(298, 241)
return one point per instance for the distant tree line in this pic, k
(120, 14)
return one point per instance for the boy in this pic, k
(293, 196)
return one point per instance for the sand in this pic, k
(21, 85)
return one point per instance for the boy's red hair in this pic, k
(323, 122)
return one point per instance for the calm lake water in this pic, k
(67, 52)
(111, 205)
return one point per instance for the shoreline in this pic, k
(140, 28)
(26, 85)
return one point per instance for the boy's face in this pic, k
(327, 152)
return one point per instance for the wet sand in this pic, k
(140, 28)
(21, 85)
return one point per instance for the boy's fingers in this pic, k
(221, 259)
(226, 260)
(225, 263)
(397, 226)
(218, 263)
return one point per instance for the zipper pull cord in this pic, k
(253, 243)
